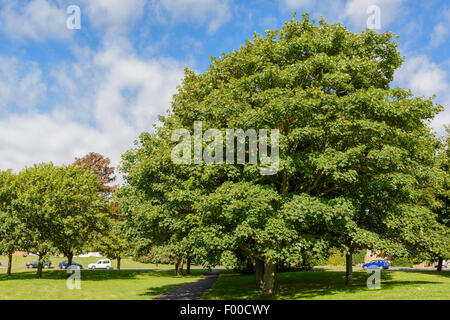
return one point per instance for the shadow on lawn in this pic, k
(98, 275)
(308, 284)
(323, 284)
(158, 291)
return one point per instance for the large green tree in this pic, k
(354, 154)
(11, 229)
(442, 192)
(59, 207)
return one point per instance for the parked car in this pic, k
(444, 263)
(101, 264)
(74, 265)
(377, 264)
(34, 264)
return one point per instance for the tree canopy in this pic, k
(355, 155)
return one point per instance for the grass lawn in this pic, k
(98, 284)
(330, 285)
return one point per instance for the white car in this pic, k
(444, 263)
(101, 264)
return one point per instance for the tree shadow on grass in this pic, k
(158, 291)
(329, 284)
(308, 284)
(99, 275)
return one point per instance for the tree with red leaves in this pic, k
(100, 166)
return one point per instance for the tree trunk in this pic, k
(180, 267)
(69, 259)
(259, 271)
(268, 288)
(188, 265)
(9, 264)
(439, 266)
(348, 269)
(40, 265)
(118, 262)
(177, 262)
(249, 267)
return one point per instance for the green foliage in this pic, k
(358, 258)
(402, 262)
(11, 228)
(59, 208)
(348, 142)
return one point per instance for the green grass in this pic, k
(330, 285)
(19, 261)
(98, 284)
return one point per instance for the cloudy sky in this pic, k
(64, 93)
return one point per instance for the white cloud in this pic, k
(439, 34)
(296, 4)
(108, 98)
(422, 76)
(115, 15)
(352, 12)
(425, 78)
(38, 20)
(213, 13)
(20, 84)
(440, 31)
(356, 11)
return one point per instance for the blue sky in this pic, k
(68, 92)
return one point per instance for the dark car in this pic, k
(34, 264)
(377, 264)
(74, 265)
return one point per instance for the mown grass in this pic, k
(330, 285)
(95, 284)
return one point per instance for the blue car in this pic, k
(63, 265)
(377, 264)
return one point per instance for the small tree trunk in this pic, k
(40, 265)
(348, 269)
(9, 264)
(118, 262)
(439, 266)
(188, 265)
(249, 267)
(268, 288)
(177, 262)
(180, 267)
(259, 271)
(69, 259)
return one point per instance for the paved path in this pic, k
(192, 290)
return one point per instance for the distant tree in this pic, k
(100, 166)
(443, 196)
(59, 207)
(11, 228)
(113, 242)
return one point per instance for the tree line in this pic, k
(47, 209)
